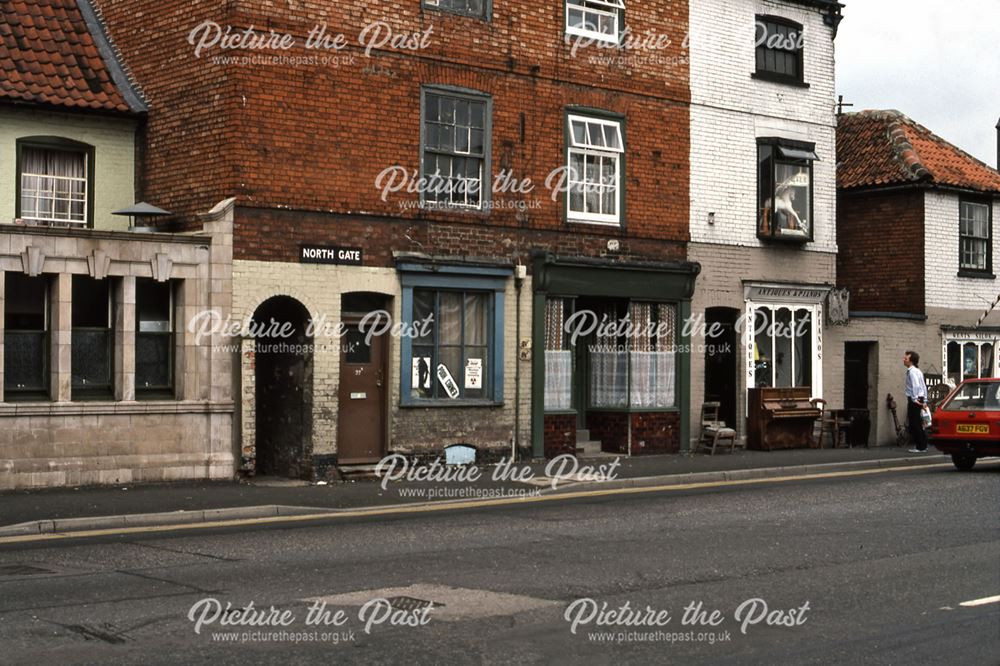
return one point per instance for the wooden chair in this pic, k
(715, 432)
(830, 421)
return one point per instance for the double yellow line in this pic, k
(447, 506)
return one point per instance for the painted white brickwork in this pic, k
(944, 288)
(730, 109)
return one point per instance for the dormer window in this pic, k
(54, 182)
(785, 190)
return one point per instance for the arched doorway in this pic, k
(283, 374)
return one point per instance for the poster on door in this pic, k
(474, 373)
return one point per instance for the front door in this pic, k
(361, 423)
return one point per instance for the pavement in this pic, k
(73, 509)
(896, 568)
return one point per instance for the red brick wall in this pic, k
(881, 241)
(184, 162)
(309, 137)
(560, 434)
(656, 432)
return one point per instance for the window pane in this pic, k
(765, 179)
(970, 361)
(423, 317)
(954, 362)
(153, 361)
(783, 348)
(91, 302)
(986, 360)
(791, 199)
(476, 320)
(803, 348)
(24, 302)
(152, 300)
(450, 318)
(763, 364)
(451, 358)
(91, 355)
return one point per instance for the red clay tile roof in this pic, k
(881, 148)
(49, 56)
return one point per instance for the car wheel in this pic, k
(963, 461)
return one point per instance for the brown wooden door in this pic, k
(361, 423)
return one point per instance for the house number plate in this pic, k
(358, 396)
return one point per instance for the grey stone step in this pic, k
(589, 447)
(582, 436)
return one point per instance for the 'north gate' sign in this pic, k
(322, 254)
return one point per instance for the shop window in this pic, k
(53, 181)
(451, 356)
(975, 250)
(635, 365)
(154, 339)
(91, 338)
(455, 149)
(600, 20)
(594, 170)
(477, 8)
(779, 50)
(452, 348)
(785, 190)
(783, 349)
(26, 338)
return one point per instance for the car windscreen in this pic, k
(979, 396)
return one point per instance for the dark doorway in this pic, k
(283, 372)
(362, 398)
(720, 361)
(857, 379)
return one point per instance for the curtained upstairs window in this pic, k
(53, 185)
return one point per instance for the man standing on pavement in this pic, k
(916, 399)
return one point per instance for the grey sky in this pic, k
(937, 62)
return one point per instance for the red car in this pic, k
(967, 423)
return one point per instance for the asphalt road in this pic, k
(869, 569)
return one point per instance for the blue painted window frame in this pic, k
(465, 278)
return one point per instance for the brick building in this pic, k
(763, 198)
(472, 95)
(100, 383)
(915, 218)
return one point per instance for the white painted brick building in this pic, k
(738, 104)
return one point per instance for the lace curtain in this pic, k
(652, 359)
(558, 357)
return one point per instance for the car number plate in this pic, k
(973, 429)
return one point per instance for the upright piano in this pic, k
(781, 418)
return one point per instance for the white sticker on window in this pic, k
(474, 373)
(421, 378)
(447, 381)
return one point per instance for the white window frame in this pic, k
(52, 194)
(966, 222)
(586, 148)
(608, 8)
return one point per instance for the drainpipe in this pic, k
(998, 145)
(519, 274)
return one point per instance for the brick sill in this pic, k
(449, 404)
(780, 80)
(977, 275)
(90, 408)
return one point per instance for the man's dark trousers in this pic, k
(916, 426)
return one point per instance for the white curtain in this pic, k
(653, 379)
(558, 379)
(608, 378)
(558, 358)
